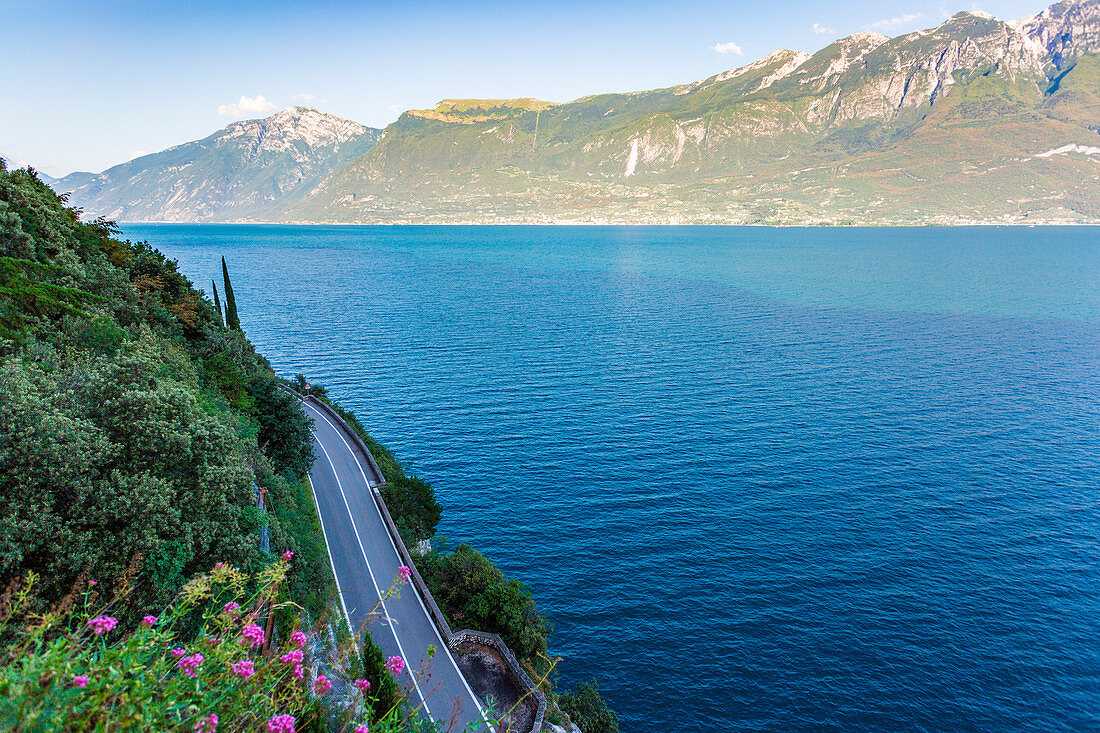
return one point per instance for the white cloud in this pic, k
(137, 153)
(397, 108)
(303, 98)
(891, 23)
(247, 106)
(730, 47)
(823, 29)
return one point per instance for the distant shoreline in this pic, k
(967, 225)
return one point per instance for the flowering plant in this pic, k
(84, 669)
(89, 668)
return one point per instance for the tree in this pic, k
(110, 459)
(217, 303)
(231, 320)
(284, 427)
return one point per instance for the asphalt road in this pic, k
(365, 563)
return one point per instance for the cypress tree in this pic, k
(231, 319)
(217, 303)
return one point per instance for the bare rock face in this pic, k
(295, 130)
(1062, 32)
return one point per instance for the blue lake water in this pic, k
(800, 479)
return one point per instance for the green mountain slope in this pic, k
(236, 173)
(951, 124)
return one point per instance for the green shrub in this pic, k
(384, 693)
(284, 427)
(475, 594)
(106, 459)
(586, 708)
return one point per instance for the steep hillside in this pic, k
(976, 119)
(236, 173)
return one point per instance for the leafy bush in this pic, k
(131, 421)
(586, 708)
(475, 594)
(284, 427)
(106, 458)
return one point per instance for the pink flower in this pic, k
(102, 624)
(81, 681)
(363, 685)
(149, 621)
(362, 729)
(321, 685)
(177, 652)
(281, 724)
(298, 639)
(93, 582)
(298, 671)
(207, 724)
(253, 634)
(395, 665)
(219, 565)
(404, 573)
(244, 668)
(231, 609)
(190, 665)
(287, 555)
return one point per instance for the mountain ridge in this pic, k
(237, 172)
(942, 125)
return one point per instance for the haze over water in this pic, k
(759, 479)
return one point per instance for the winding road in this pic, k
(365, 562)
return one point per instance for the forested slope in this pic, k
(132, 424)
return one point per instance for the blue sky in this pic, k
(89, 85)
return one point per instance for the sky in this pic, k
(89, 85)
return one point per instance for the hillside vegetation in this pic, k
(136, 436)
(132, 425)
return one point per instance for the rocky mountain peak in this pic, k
(1063, 31)
(864, 41)
(294, 125)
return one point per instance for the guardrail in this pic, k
(453, 639)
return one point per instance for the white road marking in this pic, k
(335, 577)
(446, 650)
(381, 600)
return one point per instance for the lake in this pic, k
(759, 479)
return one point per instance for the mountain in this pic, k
(237, 173)
(973, 120)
